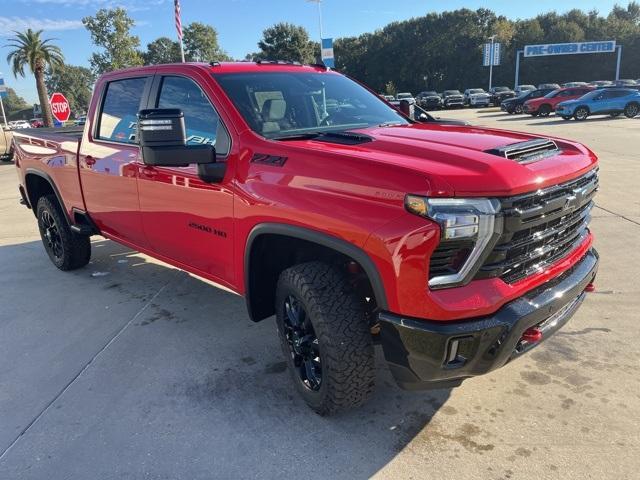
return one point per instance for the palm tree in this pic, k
(37, 53)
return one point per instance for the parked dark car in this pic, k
(452, 98)
(430, 100)
(499, 94)
(514, 105)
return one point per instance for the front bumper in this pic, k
(425, 354)
(478, 101)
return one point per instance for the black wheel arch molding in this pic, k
(316, 237)
(52, 184)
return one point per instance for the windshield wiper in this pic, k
(345, 137)
(297, 136)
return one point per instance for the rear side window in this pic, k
(201, 121)
(118, 118)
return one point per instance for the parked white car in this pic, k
(19, 124)
(476, 97)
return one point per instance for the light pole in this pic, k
(491, 60)
(319, 2)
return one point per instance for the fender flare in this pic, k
(47, 177)
(314, 236)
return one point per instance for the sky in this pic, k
(239, 22)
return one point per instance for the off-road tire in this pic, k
(344, 337)
(75, 249)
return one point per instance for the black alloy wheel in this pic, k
(303, 344)
(51, 235)
(66, 249)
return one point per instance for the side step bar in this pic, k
(84, 224)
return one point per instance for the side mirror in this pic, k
(405, 107)
(163, 140)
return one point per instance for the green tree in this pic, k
(162, 50)
(285, 41)
(201, 44)
(38, 54)
(13, 102)
(76, 83)
(110, 29)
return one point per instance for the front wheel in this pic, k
(581, 114)
(66, 249)
(631, 110)
(325, 337)
(518, 109)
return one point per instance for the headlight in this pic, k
(463, 221)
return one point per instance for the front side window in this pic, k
(280, 104)
(118, 117)
(202, 122)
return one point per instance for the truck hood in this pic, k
(457, 158)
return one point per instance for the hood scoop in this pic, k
(527, 152)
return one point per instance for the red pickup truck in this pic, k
(456, 248)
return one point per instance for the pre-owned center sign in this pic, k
(607, 46)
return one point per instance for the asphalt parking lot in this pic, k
(131, 369)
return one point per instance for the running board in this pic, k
(84, 224)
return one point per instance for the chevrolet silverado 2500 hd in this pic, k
(457, 248)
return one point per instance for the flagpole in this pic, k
(177, 12)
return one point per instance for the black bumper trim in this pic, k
(419, 352)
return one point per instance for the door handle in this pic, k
(89, 160)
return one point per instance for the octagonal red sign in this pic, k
(60, 107)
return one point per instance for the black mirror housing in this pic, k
(163, 140)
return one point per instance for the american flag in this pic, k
(178, 22)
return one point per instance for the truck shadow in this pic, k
(189, 364)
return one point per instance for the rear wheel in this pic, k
(545, 110)
(631, 110)
(581, 113)
(66, 249)
(325, 337)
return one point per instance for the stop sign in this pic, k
(60, 107)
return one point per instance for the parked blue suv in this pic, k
(609, 101)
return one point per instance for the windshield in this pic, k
(452, 92)
(430, 94)
(502, 89)
(404, 95)
(553, 93)
(280, 104)
(476, 90)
